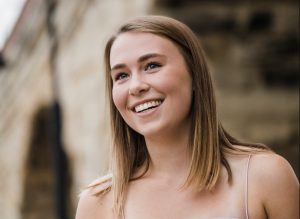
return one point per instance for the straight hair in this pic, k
(208, 140)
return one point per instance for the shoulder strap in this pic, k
(123, 213)
(246, 186)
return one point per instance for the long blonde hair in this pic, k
(208, 140)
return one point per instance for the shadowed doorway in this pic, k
(40, 184)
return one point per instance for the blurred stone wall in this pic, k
(25, 85)
(55, 52)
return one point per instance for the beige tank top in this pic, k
(245, 195)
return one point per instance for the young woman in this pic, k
(171, 157)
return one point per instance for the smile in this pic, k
(146, 106)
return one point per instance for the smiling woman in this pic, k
(154, 82)
(171, 157)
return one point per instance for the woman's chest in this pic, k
(168, 203)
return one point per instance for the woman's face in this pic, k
(152, 88)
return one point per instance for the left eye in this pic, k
(152, 65)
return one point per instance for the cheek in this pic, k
(181, 89)
(119, 98)
(179, 84)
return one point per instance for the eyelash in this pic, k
(121, 76)
(153, 64)
(148, 67)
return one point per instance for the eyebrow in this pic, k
(141, 59)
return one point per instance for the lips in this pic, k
(146, 105)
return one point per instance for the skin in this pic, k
(153, 70)
(273, 190)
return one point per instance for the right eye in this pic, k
(121, 76)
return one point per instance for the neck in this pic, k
(169, 155)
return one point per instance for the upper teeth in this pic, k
(147, 105)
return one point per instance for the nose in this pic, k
(138, 86)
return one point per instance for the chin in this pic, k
(150, 132)
(147, 133)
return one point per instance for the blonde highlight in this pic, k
(209, 141)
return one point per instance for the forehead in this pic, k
(132, 45)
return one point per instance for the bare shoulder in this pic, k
(96, 200)
(272, 168)
(275, 185)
